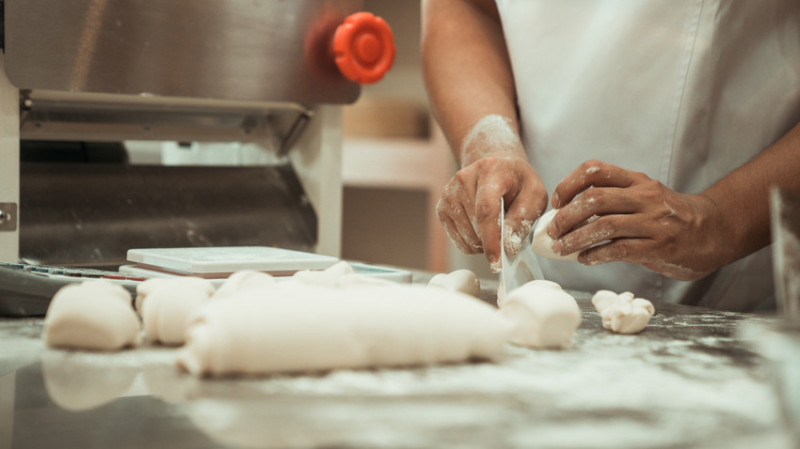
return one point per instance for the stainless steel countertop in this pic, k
(689, 380)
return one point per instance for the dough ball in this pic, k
(94, 315)
(545, 316)
(244, 280)
(464, 281)
(622, 312)
(303, 327)
(542, 244)
(168, 305)
(144, 289)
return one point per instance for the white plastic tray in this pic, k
(228, 259)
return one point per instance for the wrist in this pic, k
(491, 136)
(721, 232)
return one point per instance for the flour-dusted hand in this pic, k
(611, 214)
(494, 167)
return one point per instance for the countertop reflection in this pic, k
(690, 380)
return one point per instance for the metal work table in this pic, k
(689, 380)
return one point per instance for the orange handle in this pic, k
(364, 48)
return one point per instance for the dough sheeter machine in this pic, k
(84, 80)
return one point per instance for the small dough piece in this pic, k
(544, 314)
(542, 243)
(622, 312)
(94, 315)
(168, 304)
(244, 280)
(302, 327)
(464, 281)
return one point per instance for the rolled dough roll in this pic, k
(622, 312)
(545, 316)
(300, 327)
(94, 315)
(167, 305)
(464, 281)
(542, 243)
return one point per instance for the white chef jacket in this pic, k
(684, 91)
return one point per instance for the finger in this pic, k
(620, 250)
(596, 201)
(643, 251)
(453, 210)
(452, 231)
(588, 174)
(523, 210)
(487, 220)
(600, 230)
(463, 222)
(638, 251)
(462, 212)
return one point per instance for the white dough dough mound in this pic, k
(542, 243)
(166, 304)
(299, 326)
(244, 280)
(464, 281)
(94, 315)
(544, 314)
(622, 312)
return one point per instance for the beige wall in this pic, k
(393, 169)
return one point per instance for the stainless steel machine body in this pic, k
(183, 70)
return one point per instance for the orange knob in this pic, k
(364, 48)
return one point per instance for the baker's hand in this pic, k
(611, 214)
(469, 207)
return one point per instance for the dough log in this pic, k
(302, 327)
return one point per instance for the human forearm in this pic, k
(467, 70)
(742, 197)
(471, 87)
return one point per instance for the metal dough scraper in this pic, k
(520, 268)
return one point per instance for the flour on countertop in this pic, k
(686, 377)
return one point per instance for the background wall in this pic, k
(395, 162)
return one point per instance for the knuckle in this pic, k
(483, 211)
(593, 165)
(462, 177)
(559, 220)
(620, 250)
(596, 197)
(651, 194)
(604, 229)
